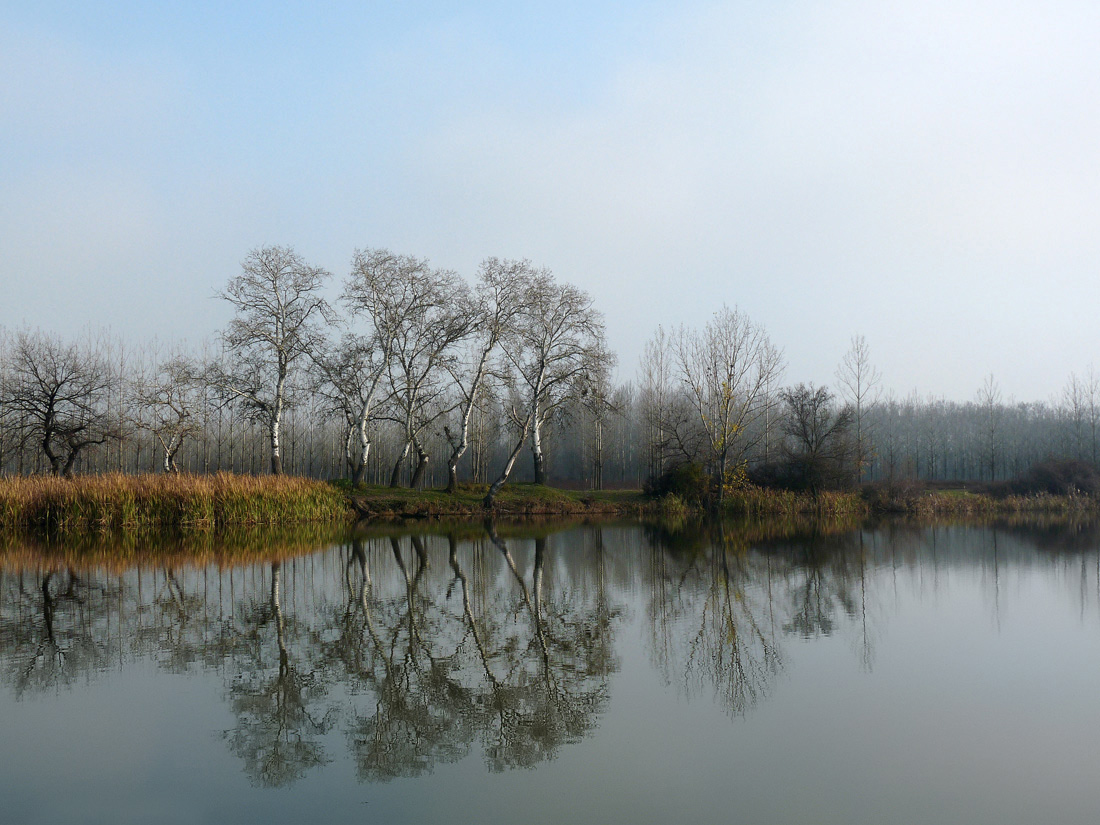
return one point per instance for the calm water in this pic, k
(594, 674)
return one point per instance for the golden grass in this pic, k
(113, 502)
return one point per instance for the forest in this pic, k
(417, 376)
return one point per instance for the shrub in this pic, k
(1057, 477)
(687, 481)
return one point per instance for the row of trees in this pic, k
(413, 368)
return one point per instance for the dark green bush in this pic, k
(688, 481)
(1057, 477)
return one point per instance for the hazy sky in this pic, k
(925, 173)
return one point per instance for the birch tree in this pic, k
(415, 316)
(495, 305)
(352, 373)
(173, 403)
(557, 338)
(656, 391)
(279, 313)
(596, 398)
(989, 401)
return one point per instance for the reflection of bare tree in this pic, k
(420, 650)
(493, 648)
(557, 684)
(277, 726)
(451, 662)
(818, 587)
(421, 709)
(713, 589)
(52, 630)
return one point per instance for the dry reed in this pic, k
(112, 502)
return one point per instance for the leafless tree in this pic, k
(417, 315)
(1092, 406)
(495, 305)
(596, 397)
(172, 401)
(351, 374)
(1075, 406)
(858, 380)
(279, 306)
(989, 399)
(656, 396)
(725, 370)
(57, 392)
(817, 444)
(557, 340)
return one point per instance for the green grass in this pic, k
(377, 502)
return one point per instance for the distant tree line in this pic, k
(417, 376)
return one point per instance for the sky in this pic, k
(920, 172)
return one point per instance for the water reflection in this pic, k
(407, 651)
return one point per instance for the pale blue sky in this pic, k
(924, 173)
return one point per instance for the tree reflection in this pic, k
(52, 630)
(404, 659)
(502, 660)
(278, 719)
(556, 684)
(819, 584)
(417, 650)
(711, 590)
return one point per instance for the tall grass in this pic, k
(761, 501)
(112, 502)
(915, 499)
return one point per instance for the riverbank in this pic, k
(45, 504)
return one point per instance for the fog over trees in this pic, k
(416, 376)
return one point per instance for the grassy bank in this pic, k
(756, 502)
(917, 501)
(376, 503)
(119, 502)
(114, 502)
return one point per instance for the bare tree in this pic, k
(596, 397)
(858, 380)
(277, 298)
(656, 391)
(817, 437)
(57, 394)
(989, 400)
(725, 370)
(351, 377)
(173, 402)
(496, 302)
(557, 340)
(1075, 405)
(1081, 405)
(417, 315)
(1092, 405)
